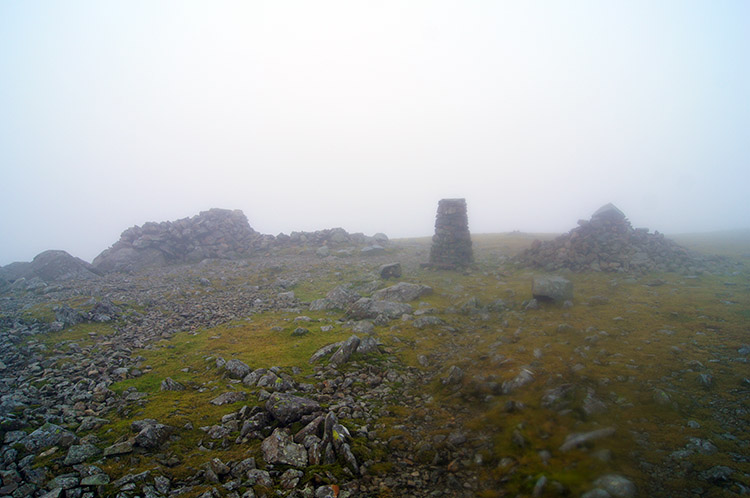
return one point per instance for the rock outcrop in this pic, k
(607, 242)
(451, 244)
(216, 233)
(49, 266)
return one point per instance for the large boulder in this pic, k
(47, 436)
(279, 448)
(402, 292)
(337, 299)
(151, 434)
(372, 308)
(50, 266)
(552, 288)
(287, 408)
(237, 369)
(345, 351)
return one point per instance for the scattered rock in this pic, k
(390, 270)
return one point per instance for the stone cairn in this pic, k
(451, 244)
(607, 242)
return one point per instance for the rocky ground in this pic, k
(301, 372)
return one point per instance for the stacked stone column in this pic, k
(451, 244)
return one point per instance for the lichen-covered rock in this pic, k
(287, 408)
(151, 434)
(169, 384)
(278, 448)
(47, 436)
(345, 351)
(79, 453)
(237, 369)
(229, 397)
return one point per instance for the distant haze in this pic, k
(311, 115)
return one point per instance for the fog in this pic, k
(312, 115)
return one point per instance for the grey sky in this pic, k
(310, 115)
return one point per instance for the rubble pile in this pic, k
(607, 242)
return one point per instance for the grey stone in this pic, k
(345, 351)
(427, 321)
(402, 292)
(236, 369)
(67, 481)
(454, 376)
(390, 270)
(718, 474)
(552, 288)
(324, 351)
(152, 435)
(252, 378)
(368, 345)
(229, 397)
(577, 440)
(279, 448)
(95, 480)
(80, 453)
(47, 436)
(290, 478)
(170, 384)
(373, 250)
(119, 449)
(287, 408)
(596, 493)
(259, 477)
(524, 377)
(617, 486)
(371, 308)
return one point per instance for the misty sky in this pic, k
(310, 115)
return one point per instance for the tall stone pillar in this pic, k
(451, 244)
